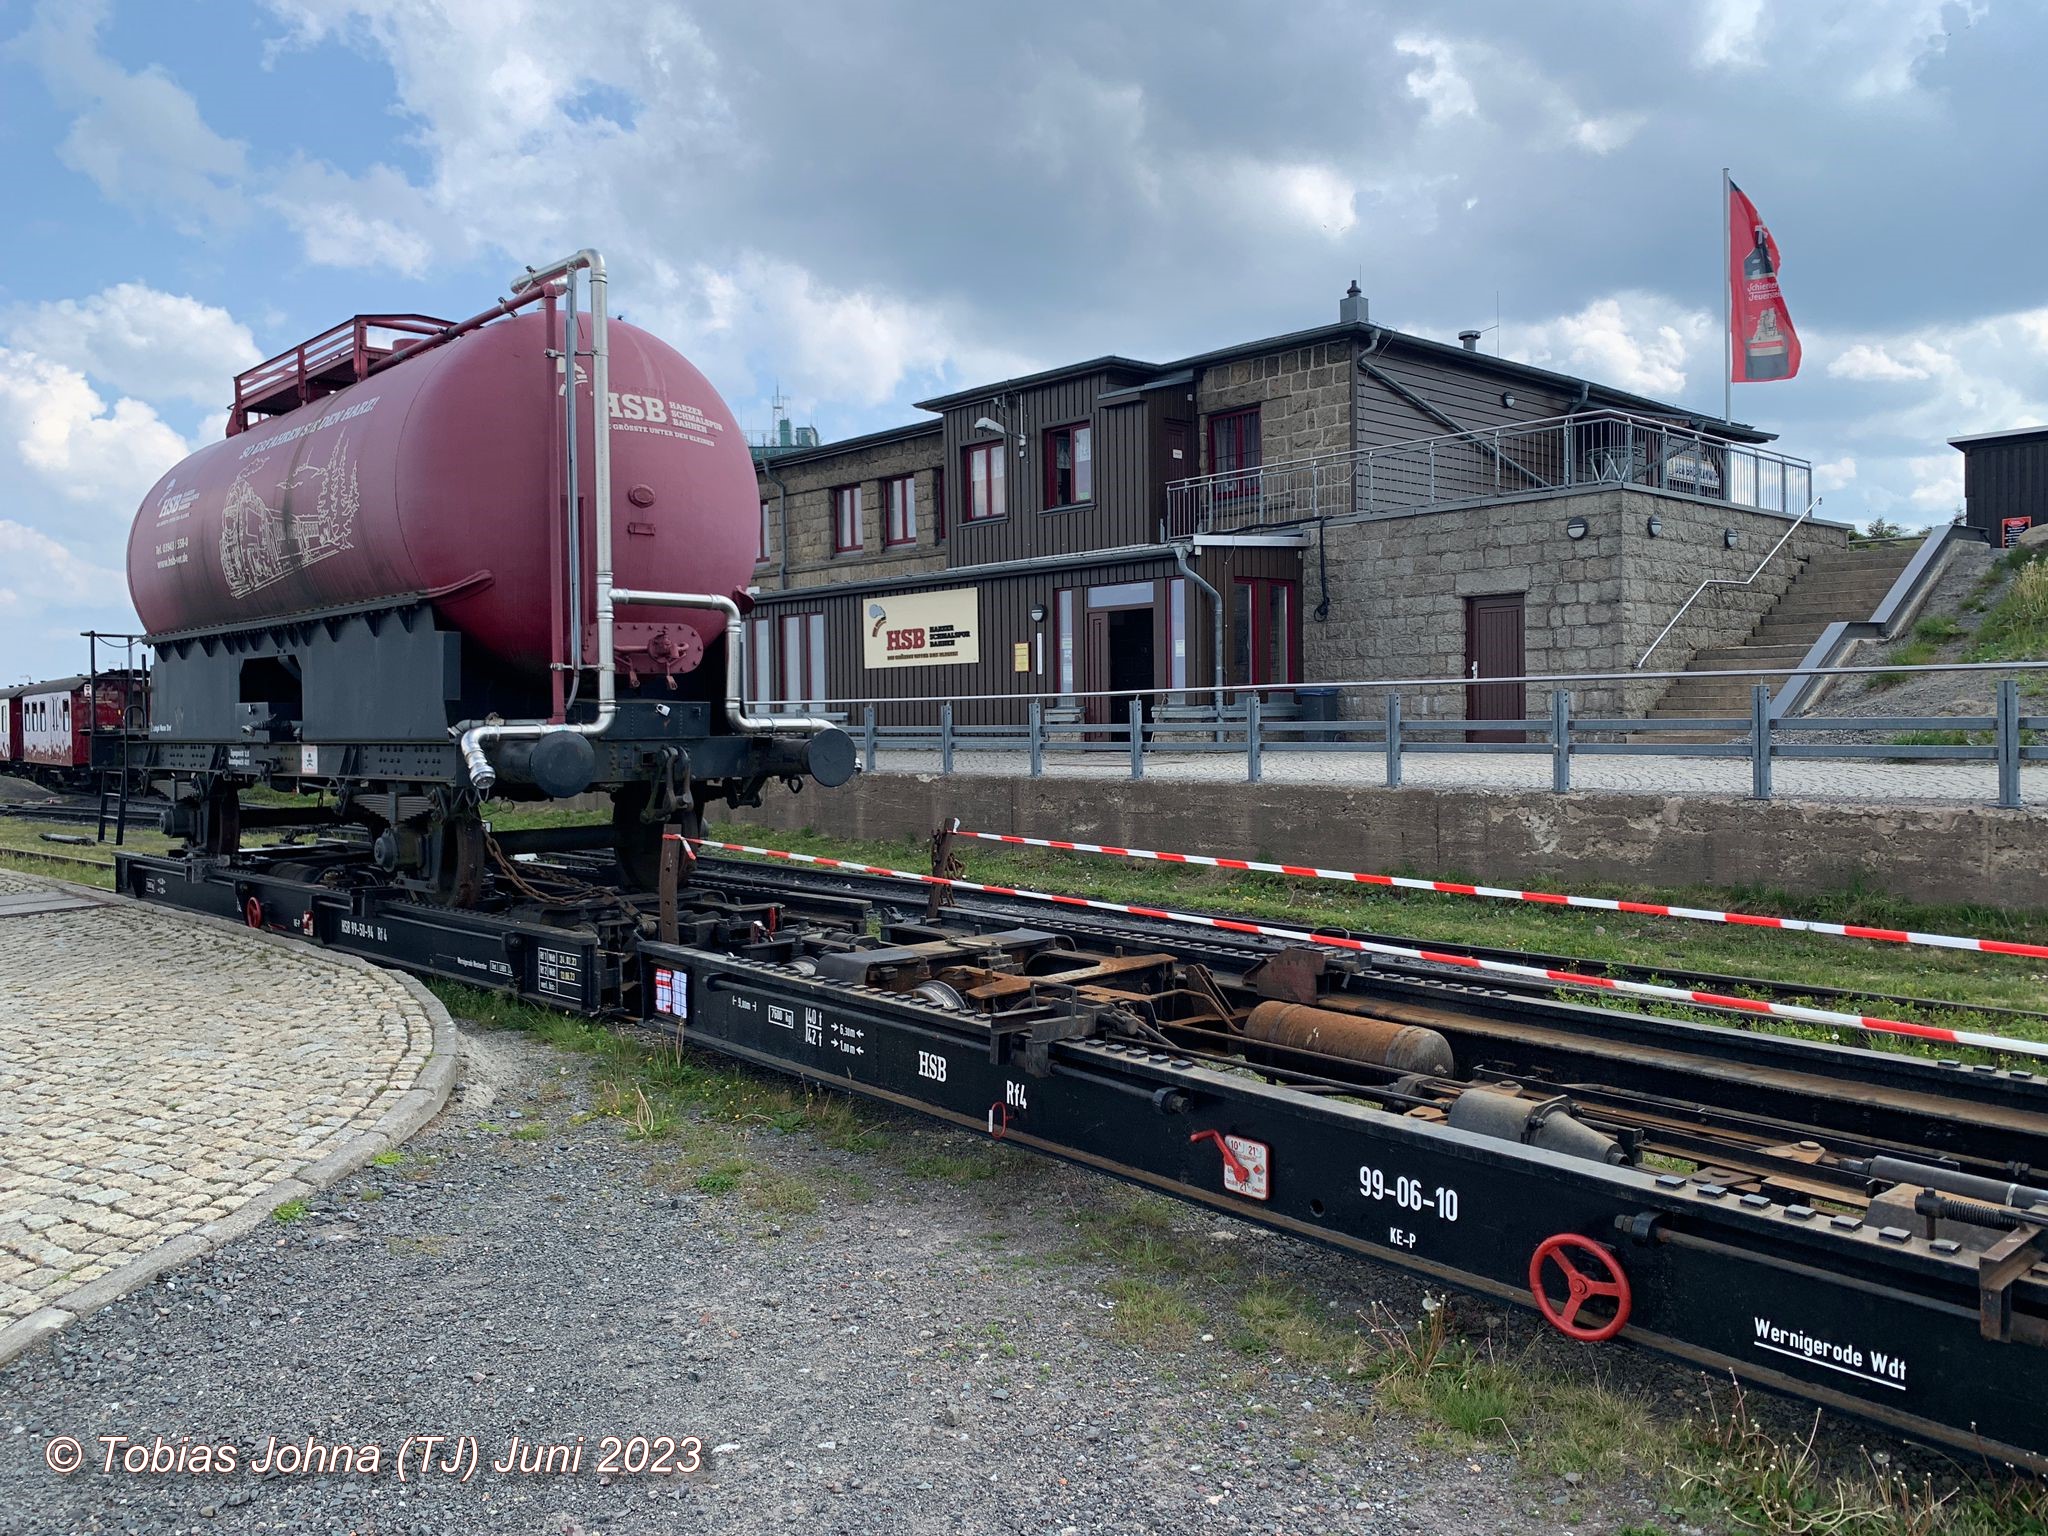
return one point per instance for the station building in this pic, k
(1341, 503)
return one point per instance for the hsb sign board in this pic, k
(921, 629)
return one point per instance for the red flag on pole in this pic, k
(1763, 345)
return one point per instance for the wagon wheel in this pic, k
(459, 860)
(636, 842)
(220, 822)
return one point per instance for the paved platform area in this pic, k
(1836, 781)
(167, 1080)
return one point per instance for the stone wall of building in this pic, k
(810, 484)
(1304, 395)
(1397, 589)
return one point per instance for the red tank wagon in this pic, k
(374, 584)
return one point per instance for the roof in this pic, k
(2009, 435)
(851, 444)
(1109, 363)
(1379, 339)
(55, 685)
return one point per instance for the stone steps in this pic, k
(1832, 587)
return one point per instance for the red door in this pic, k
(1493, 648)
(1096, 708)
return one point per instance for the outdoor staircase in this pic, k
(1835, 585)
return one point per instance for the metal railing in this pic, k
(1727, 581)
(1138, 731)
(1558, 455)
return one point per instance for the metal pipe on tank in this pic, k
(735, 661)
(524, 288)
(572, 338)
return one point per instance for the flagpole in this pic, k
(1727, 312)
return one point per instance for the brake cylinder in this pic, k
(1377, 1042)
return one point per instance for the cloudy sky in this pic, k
(870, 204)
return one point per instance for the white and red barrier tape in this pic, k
(1720, 1000)
(1544, 898)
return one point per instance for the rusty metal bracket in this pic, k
(678, 862)
(946, 866)
(1997, 1268)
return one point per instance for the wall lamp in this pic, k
(1654, 526)
(1038, 613)
(1575, 529)
(1730, 538)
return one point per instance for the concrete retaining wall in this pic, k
(1939, 855)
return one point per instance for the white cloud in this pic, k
(1641, 342)
(139, 341)
(60, 573)
(1937, 481)
(1732, 32)
(55, 424)
(1835, 474)
(844, 344)
(1869, 363)
(139, 136)
(378, 219)
(1436, 81)
(1604, 135)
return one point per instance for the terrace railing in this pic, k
(1559, 455)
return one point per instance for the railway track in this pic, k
(897, 896)
(1861, 1228)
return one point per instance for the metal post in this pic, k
(1315, 487)
(1035, 713)
(1432, 472)
(946, 737)
(1253, 767)
(2009, 744)
(870, 735)
(1560, 741)
(1760, 742)
(1393, 741)
(1137, 738)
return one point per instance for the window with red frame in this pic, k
(1069, 466)
(899, 503)
(986, 497)
(1234, 452)
(939, 505)
(761, 547)
(846, 519)
(1264, 648)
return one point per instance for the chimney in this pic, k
(1470, 339)
(1351, 308)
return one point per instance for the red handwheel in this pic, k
(1569, 1251)
(252, 912)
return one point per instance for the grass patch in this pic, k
(1738, 1471)
(2016, 627)
(290, 1211)
(1152, 1316)
(531, 1132)
(390, 1158)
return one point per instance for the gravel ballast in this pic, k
(920, 1352)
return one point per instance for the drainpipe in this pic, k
(1180, 558)
(782, 517)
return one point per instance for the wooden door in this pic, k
(1095, 709)
(1493, 648)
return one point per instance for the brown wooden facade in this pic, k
(1131, 620)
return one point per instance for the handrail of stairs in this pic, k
(1726, 581)
(1900, 602)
